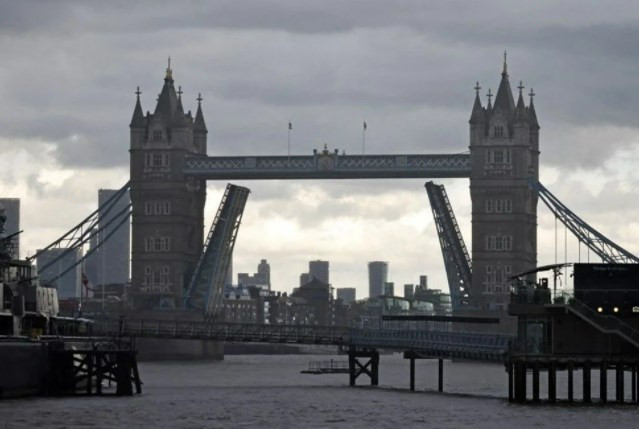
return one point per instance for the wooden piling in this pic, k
(603, 381)
(586, 383)
(412, 374)
(552, 382)
(535, 382)
(570, 383)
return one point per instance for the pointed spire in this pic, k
(477, 116)
(504, 99)
(137, 120)
(167, 100)
(532, 115)
(198, 123)
(520, 114)
(505, 70)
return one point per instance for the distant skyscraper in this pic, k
(264, 271)
(346, 294)
(305, 278)
(389, 289)
(319, 270)
(423, 282)
(377, 277)
(409, 290)
(260, 279)
(12, 225)
(110, 263)
(69, 284)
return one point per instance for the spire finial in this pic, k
(505, 71)
(520, 87)
(169, 72)
(477, 88)
(138, 92)
(179, 92)
(532, 94)
(199, 99)
(489, 95)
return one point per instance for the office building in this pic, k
(69, 284)
(377, 277)
(346, 294)
(389, 289)
(409, 291)
(319, 270)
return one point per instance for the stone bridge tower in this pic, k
(168, 208)
(504, 150)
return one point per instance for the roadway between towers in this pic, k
(329, 165)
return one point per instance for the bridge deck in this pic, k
(329, 165)
(487, 347)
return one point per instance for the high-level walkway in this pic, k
(427, 343)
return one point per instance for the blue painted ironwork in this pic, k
(606, 249)
(329, 165)
(456, 259)
(206, 288)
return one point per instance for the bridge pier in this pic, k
(369, 367)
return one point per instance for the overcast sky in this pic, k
(69, 69)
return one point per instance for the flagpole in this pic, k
(364, 140)
(290, 127)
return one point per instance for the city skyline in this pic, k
(414, 99)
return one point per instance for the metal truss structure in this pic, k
(82, 233)
(206, 288)
(427, 343)
(608, 251)
(329, 165)
(456, 259)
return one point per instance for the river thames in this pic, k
(260, 391)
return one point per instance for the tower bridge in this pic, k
(170, 167)
(169, 150)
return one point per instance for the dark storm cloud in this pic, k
(407, 67)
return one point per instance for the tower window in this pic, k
(157, 135)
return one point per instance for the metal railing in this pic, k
(428, 342)
(604, 322)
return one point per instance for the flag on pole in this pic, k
(290, 125)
